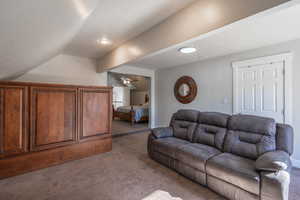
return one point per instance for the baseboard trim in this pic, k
(296, 163)
(130, 133)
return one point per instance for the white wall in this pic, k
(214, 80)
(66, 69)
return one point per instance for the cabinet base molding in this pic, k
(42, 159)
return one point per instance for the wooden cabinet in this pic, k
(53, 117)
(47, 124)
(95, 112)
(13, 120)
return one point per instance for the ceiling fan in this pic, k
(128, 82)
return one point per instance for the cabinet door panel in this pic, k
(53, 114)
(95, 108)
(13, 117)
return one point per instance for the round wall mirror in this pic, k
(185, 89)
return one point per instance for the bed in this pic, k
(134, 114)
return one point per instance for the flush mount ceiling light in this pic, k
(187, 50)
(104, 41)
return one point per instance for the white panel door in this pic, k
(260, 90)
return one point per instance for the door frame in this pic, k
(151, 77)
(287, 59)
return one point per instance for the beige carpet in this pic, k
(126, 173)
(123, 127)
(160, 195)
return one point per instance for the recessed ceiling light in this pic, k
(187, 50)
(104, 41)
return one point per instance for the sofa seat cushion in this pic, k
(196, 155)
(235, 170)
(168, 146)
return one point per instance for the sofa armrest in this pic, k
(162, 132)
(275, 185)
(285, 138)
(273, 161)
(275, 168)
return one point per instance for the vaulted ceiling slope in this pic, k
(32, 31)
(120, 21)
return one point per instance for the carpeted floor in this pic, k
(126, 173)
(120, 127)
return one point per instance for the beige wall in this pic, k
(66, 69)
(214, 80)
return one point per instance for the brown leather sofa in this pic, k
(240, 157)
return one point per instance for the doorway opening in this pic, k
(131, 103)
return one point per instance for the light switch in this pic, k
(225, 100)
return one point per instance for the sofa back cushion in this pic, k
(250, 136)
(184, 123)
(211, 129)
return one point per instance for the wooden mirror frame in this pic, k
(192, 86)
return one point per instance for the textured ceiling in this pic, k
(119, 21)
(32, 32)
(274, 27)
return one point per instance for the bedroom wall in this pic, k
(214, 80)
(138, 97)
